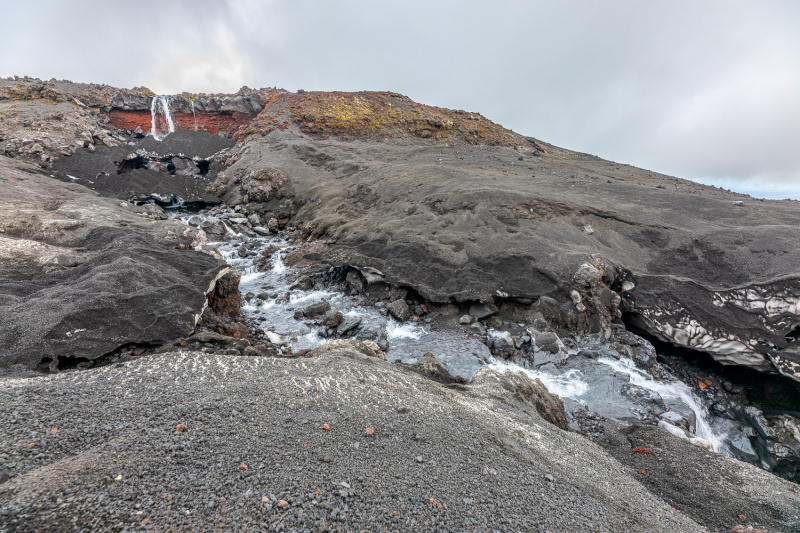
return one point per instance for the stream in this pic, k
(272, 297)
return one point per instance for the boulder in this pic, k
(317, 309)
(481, 311)
(399, 309)
(262, 185)
(502, 344)
(332, 318)
(543, 357)
(214, 228)
(516, 387)
(646, 399)
(548, 341)
(303, 283)
(429, 366)
(348, 324)
(224, 295)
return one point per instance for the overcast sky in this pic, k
(706, 90)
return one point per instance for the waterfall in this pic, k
(194, 115)
(160, 107)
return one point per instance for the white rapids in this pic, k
(672, 390)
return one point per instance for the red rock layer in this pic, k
(228, 122)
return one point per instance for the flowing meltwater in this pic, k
(276, 315)
(160, 116)
(595, 384)
(673, 390)
(567, 385)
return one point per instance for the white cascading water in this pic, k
(567, 385)
(571, 384)
(671, 390)
(160, 106)
(194, 115)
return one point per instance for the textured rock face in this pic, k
(209, 113)
(82, 275)
(166, 171)
(227, 122)
(521, 389)
(493, 224)
(224, 296)
(246, 101)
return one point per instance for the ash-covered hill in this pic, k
(406, 217)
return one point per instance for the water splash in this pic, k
(408, 330)
(160, 108)
(567, 385)
(277, 263)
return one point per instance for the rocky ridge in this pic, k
(82, 276)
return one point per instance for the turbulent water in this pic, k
(592, 383)
(596, 385)
(160, 113)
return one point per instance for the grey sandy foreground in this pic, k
(343, 442)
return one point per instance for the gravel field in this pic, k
(103, 450)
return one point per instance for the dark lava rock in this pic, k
(547, 341)
(107, 278)
(480, 311)
(399, 309)
(224, 295)
(332, 318)
(317, 309)
(104, 170)
(646, 398)
(106, 302)
(348, 324)
(303, 283)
